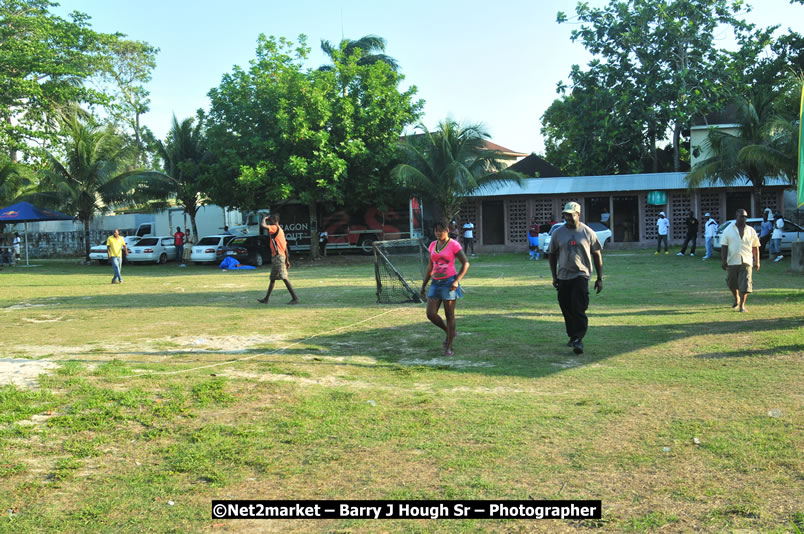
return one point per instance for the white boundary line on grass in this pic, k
(276, 351)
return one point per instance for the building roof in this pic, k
(664, 181)
(533, 165)
(505, 151)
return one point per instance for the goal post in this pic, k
(399, 267)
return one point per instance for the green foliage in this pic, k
(184, 158)
(282, 132)
(90, 181)
(657, 67)
(766, 145)
(45, 62)
(446, 165)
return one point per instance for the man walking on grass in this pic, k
(573, 249)
(115, 245)
(739, 250)
(280, 258)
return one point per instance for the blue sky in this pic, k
(475, 61)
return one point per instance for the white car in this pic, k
(790, 233)
(209, 249)
(98, 252)
(153, 249)
(601, 230)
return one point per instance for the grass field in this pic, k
(177, 387)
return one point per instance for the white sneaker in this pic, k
(779, 258)
(692, 254)
(680, 254)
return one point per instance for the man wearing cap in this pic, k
(664, 229)
(739, 251)
(573, 248)
(710, 231)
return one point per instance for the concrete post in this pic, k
(797, 257)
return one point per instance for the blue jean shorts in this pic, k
(440, 289)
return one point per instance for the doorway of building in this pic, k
(625, 219)
(493, 222)
(737, 200)
(594, 207)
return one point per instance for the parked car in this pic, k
(156, 249)
(98, 252)
(209, 249)
(790, 232)
(602, 231)
(251, 249)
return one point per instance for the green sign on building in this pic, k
(657, 198)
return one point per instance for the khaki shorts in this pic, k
(278, 269)
(739, 277)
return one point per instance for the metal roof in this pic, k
(663, 181)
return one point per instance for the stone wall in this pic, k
(57, 244)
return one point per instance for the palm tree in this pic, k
(751, 156)
(183, 155)
(14, 180)
(447, 165)
(90, 181)
(370, 47)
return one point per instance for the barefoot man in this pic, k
(739, 251)
(280, 258)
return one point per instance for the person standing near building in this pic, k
(739, 251)
(710, 231)
(765, 230)
(16, 247)
(533, 240)
(605, 216)
(574, 248)
(469, 237)
(692, 234)
(323, 239)
(776, 237)
(664, 230)
(280, 258)
(114, 251)
(178, 241)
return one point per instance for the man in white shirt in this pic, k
(664, 229)
(739, 250)
(16, 245)
(710, 231)
(469, 237)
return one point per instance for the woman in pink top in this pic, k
(446, 286)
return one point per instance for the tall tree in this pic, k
(660, 59)
(184, 155)
(44, 60)
(89, 180)
(282, 132)
(369, 49)
(127, 65)
(447, 165)
(750, 156)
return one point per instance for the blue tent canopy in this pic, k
(24, 212)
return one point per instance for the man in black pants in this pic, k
(692, 234)
(573, 249)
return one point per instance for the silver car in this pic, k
(153, 249)
(790, 233)
(209, 249)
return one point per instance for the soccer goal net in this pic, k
(399, 267)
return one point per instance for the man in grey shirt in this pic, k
(573, 249)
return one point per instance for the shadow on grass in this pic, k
(493, 345)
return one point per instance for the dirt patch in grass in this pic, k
(23, 373)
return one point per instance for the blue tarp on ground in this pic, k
(231, 264)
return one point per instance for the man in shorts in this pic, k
(739, 251)
(280, 258)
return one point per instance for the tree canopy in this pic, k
(657, 67)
